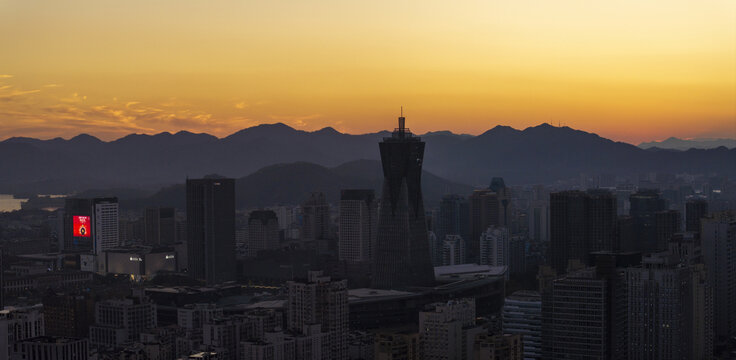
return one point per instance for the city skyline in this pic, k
(628, 71)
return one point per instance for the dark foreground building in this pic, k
(402, 248)
(211, 229)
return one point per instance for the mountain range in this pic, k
(674, 143)
(540, 154)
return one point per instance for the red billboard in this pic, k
(81, 226)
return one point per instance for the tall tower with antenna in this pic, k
(401, 257)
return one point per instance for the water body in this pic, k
(10, 203)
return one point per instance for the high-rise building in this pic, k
(211, 229)
(483, 212)
(517, 254)
(494, 246)
(402, 255)
(160, 226)
(68, 315)
(575, 317)
(667, 223)
(503, 194)
(644, 206)
(315, 217)
(263, 231)
(539, 220)
(581, 222)
(105, 224)
(445, 328)
(668, 310)
(718, 239)
(522, 315)
(77, 225)
(695, 209)
(453, 250)
(358, 223)
(320, 300)
(18, 324)
(453, 217)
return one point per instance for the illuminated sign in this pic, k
(81, 226)
(135, 258)
(169, 257)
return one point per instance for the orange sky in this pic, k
(628, 70)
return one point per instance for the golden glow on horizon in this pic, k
(628, 70)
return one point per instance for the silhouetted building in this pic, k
(453, 250)
(316, 217)
(211, 229)
(644, 206)
(669, 310)
(453, 217)
(695, 210)
(668, 223)
(358, 224)
(263, 232)
(718, 239)
(77, 216)
(68, 315)
(402, 255)
(483, 212)
(581, 222)
(160, 226)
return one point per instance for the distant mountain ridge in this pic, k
(539, 154)
(674, 143)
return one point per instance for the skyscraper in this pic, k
(160, 226)
(667, 305)
(718, 239)
(445, 326)
(316, 217)
(106, 222)
(581, 222)
(453, 250)
(494, 246)
(77, 225)
(453, 217)
(358, 221)
(667, 223)
(644, 205)
(211, 229)
(483, 212)
(263, 231)
(402, 249)
(695, 209)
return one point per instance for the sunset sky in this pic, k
(629, 70)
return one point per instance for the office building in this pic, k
(580, 223)
(539, 220)
(494, 246)
(453, 250)
(453, 217)
(522, 315)
(668, 310)
(211, 229)
(575, 317)
(483, 212)
(695, 209)
(77, 234)
(397, 345)
(718, 239)
(67, 315)
(160, 226)
(358, 223)
(315, 217)
(402, 255)
(105, 224)
(320, 300)
(263, 232)
(667, 223)
(644, 206)
(498, 347)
